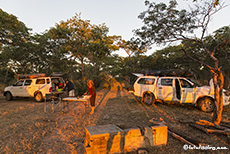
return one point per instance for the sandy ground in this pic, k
(25, 128)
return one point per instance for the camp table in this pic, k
(67, 100)
(55, 98)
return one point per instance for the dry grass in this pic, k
(25, 128)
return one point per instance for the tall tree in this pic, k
(12, 31)
(14, 42)
(83, 41)
(166, 24)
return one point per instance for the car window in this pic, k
(148, 81)
(185, 84)
(195, 82)
(55, 80)
(166, 82)
(27, 82)
(47, 81)
(19, 83)
(40, 81)
(141, 81)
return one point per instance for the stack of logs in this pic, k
(203, 125)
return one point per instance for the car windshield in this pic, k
(19, 83)
(196, 83)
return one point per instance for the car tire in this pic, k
(149, 99)
(206, 104)
(9, 96)
(38, 97)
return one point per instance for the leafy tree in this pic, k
(165, 24)
(83, 42)
(222, 40)
(13, 32)
(219, 42)
(14, 38)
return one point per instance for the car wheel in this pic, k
(149, 99)
(9, 96)
(38, 97)
(206, 104)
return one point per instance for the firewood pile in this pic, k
(209, 127)
(202, 125)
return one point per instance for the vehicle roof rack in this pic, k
(169, 72)
(57, 74)
(30, 76)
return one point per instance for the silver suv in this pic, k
(33, 86)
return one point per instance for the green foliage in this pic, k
(84, 44)
(163, 24)
(131, 47)
(79, 38)
(80, 87)
(14, 46)
(12, 31)
(219, 44)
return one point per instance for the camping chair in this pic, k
(52, 100)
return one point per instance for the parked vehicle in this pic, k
(35, 85)
(175, 89)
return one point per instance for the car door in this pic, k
(187, 91)
(27, 88)
(166, 90)
(17, 88)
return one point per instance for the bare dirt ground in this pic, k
(25, 128)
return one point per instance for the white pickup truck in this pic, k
(35, 85)
(175, 89)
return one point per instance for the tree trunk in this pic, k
(82, 70)
(217, 116)
(6, 75)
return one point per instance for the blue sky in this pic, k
(119, 15)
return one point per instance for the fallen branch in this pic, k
(210, 131)
(208, 123)
(188, 138)
(192, 140)
(180, 138)
(154, 121)
(225, 122)
(186, 121)
(224, 125)
(199, 127)
(204, 122)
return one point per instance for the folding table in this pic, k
(67, 100)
